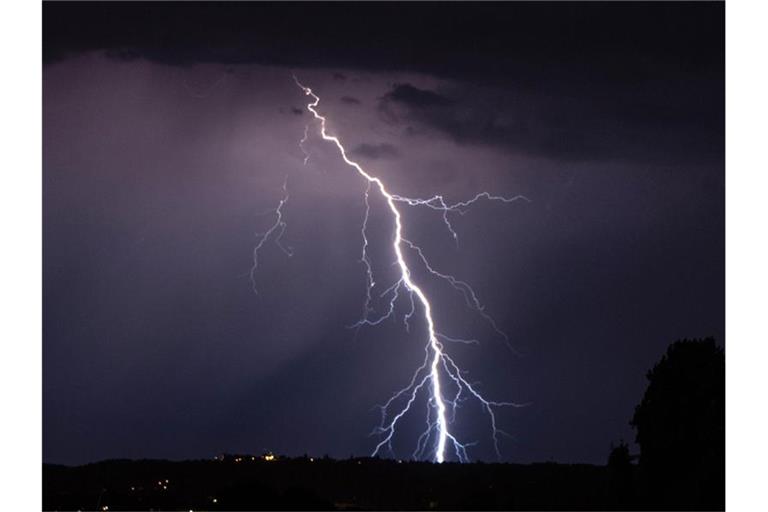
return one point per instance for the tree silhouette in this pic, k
(620, 472)
(619, 457)
(680, 425)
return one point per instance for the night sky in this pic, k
(168, 130)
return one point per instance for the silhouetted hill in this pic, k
(250, 482)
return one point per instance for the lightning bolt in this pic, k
(441, 404)
(275, 231)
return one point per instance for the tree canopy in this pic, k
(680, 423)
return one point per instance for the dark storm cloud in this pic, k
(376, 151)
(526, 42)
(649, 122)
(606, 81)
(600, 81)
(415, 98)
(350, 100)
(297, 111)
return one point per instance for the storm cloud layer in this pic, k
(169, 130)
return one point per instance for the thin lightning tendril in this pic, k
(304, 141)
(279, 228)
(441, 408)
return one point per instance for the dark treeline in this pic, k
(680, 426)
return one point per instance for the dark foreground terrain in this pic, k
(261, 482)
(680, 425)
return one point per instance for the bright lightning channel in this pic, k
(441, 410)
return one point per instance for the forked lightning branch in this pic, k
(438, 381)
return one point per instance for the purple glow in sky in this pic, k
(162, 161)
